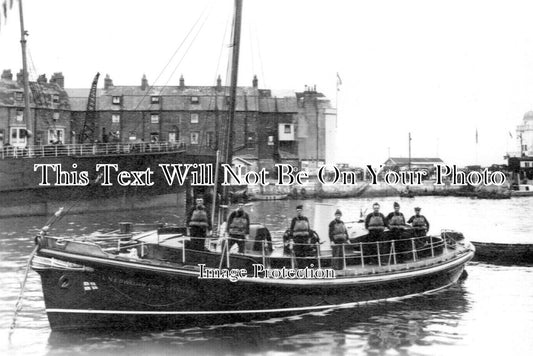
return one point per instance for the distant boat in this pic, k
(269, 196)
(503, 253)
(522, 190)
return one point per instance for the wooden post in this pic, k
(318, 255)
(343, 257)
(379, 255)
(413, 249)
(362, 255)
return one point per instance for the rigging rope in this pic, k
(18, 304)
(169, 61)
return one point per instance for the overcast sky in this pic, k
(437, 69)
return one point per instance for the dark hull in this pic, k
(20, 193)
(129, 295)
(504, 254)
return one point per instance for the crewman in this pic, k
(238, 227)
(419, 223)
(199, 223)
(375, 223)
(396, 222)
(338, 235)
(300, 233)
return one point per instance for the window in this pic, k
(250, 139)
(194, 118)
(287, 129)
(209, 139)
(154, 118)
(20, 115)
(154, 137)
(116, 100)
(18, 96)
(171, 137)
(56, 136)
(55, 98)
(271, 140)
(55, 116)
(195, 137)
(18, 137)
(155, 100)
(195, 100)
(115, 118)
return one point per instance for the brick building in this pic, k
(268, 129)
(49, 110)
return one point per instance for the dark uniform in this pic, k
(301, 234)
(199, 223)
(338, 235)
(396, 222)
(238, 227)
(375, 223)
(420, 225)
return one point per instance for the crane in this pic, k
(88, 132)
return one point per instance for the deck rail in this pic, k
(89, 149)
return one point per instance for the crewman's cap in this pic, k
(299, 207)
(396, 205)
(417, 209)
(338, 212)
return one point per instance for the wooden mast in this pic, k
(236, 39)
(25, 79)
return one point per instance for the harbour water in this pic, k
(488, 313)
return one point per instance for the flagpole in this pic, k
(25, 79)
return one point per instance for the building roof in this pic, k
(8, 88)
(417, 160)
(179, 99)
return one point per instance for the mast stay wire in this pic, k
(207, 7)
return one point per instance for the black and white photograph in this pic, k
(251, 177)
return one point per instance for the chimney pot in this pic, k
(182, 81)
(108, 82)
(255, 82)
(58, 78)
(7, 75)
(144, 82)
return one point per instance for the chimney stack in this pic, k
(20, 77)
(182, 82)
(59, 79)
(144, 83)
(219, 83)
(108, 83)
(42, 79)
(255, 82)
(7, 75)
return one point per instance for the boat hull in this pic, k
(129, 295)
(504, 254)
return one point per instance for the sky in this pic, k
(441, 70)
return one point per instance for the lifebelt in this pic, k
(63, 282)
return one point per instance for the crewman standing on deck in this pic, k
(300, 233)
(375, 223)
(199, 224)
(419, 223)
(396, 221)
(338, 235)
(238, 227)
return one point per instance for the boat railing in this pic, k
(89, 149)
(343, 256)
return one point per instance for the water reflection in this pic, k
(420, 321)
